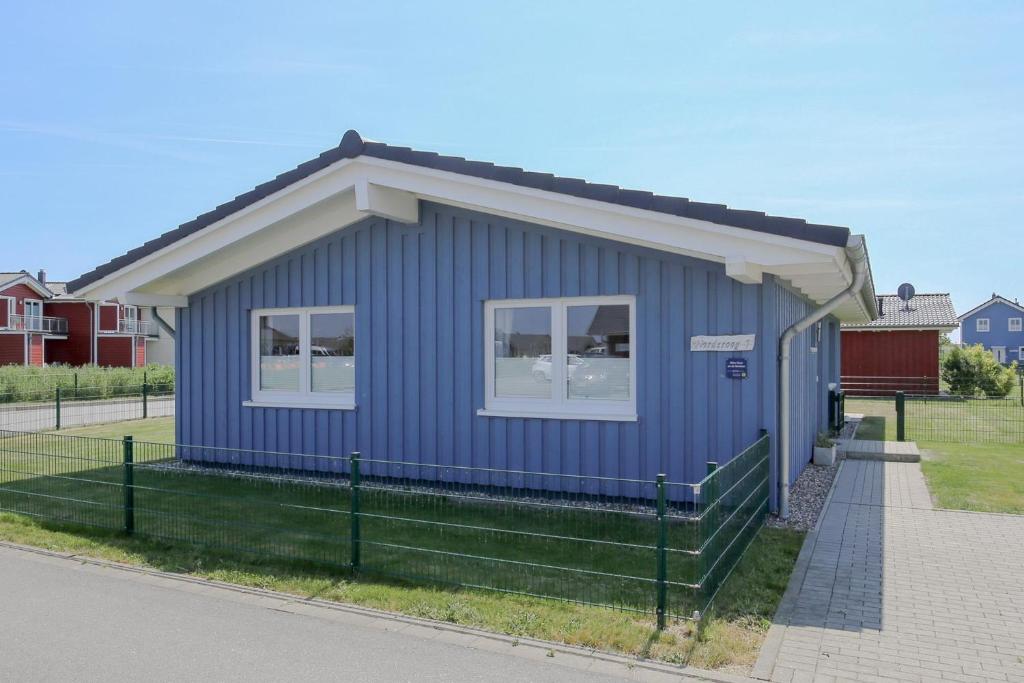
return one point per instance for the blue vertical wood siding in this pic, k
(419, 292)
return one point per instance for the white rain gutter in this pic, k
(857, 253)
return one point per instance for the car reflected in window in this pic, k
(542, 367)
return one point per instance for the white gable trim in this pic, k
(351, 189)
(993, 300)
(31, 283)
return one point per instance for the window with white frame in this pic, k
(1014, 325)
(561, 358)
(304, 357)
(981, 325)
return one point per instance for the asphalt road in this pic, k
(61, 619)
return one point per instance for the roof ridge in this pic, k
(353, 145)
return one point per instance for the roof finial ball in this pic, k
(351, 144)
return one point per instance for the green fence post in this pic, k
(1020, 380)
(901, 416)
(708, 554)
(57, 406)
(354, 481)
(129, 486)
(76, 385)
(662, 573)
(145, 397)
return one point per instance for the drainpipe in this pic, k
(161, 322)
(857, 254)
(95, 332)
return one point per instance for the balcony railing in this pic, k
(37, 323)
(130, 326)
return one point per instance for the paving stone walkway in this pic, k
(889, 451)
(889, 588)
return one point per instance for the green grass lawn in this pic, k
(943, 421)
(295, 537)
(979, 477)
(984, 477)
(156, 430)
(879, 423)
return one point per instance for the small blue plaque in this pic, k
(736, 368)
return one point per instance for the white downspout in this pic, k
(858, 260)
(95, 332)
(161, 322)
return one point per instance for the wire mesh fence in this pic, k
(940, 419)
(61, 407)
(955, 419)
(653, 547)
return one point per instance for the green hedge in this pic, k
(20, 383)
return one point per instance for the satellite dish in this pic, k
(906, 293)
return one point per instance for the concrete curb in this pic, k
(567, 655)
(765, 664)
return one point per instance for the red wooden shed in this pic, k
(899, 351)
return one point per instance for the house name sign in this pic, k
(722, 342)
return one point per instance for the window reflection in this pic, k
(279, 353)
(598, 345)
(332, 352)
(522, 352)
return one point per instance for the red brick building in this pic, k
(899, 351)
(41, 324)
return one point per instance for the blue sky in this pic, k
(900, 120)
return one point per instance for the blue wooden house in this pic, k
(996, 325)
(428, 308)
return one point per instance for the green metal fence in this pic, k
(76, 406)
(956, 419)
(656, 547)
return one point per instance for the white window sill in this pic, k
(548, 415)
(311, 405)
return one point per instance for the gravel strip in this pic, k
(461, 492)
(808, 494)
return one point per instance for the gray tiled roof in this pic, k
(925, 310)
(58, 288)
(352, 145)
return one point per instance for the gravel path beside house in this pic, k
(807, 496)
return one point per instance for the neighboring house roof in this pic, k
(389, 182)
(23, 277)
(996, 299)
(58, 288)
(923, 311)
(352, 145)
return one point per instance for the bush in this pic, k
(27, 383)
(973, 371)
